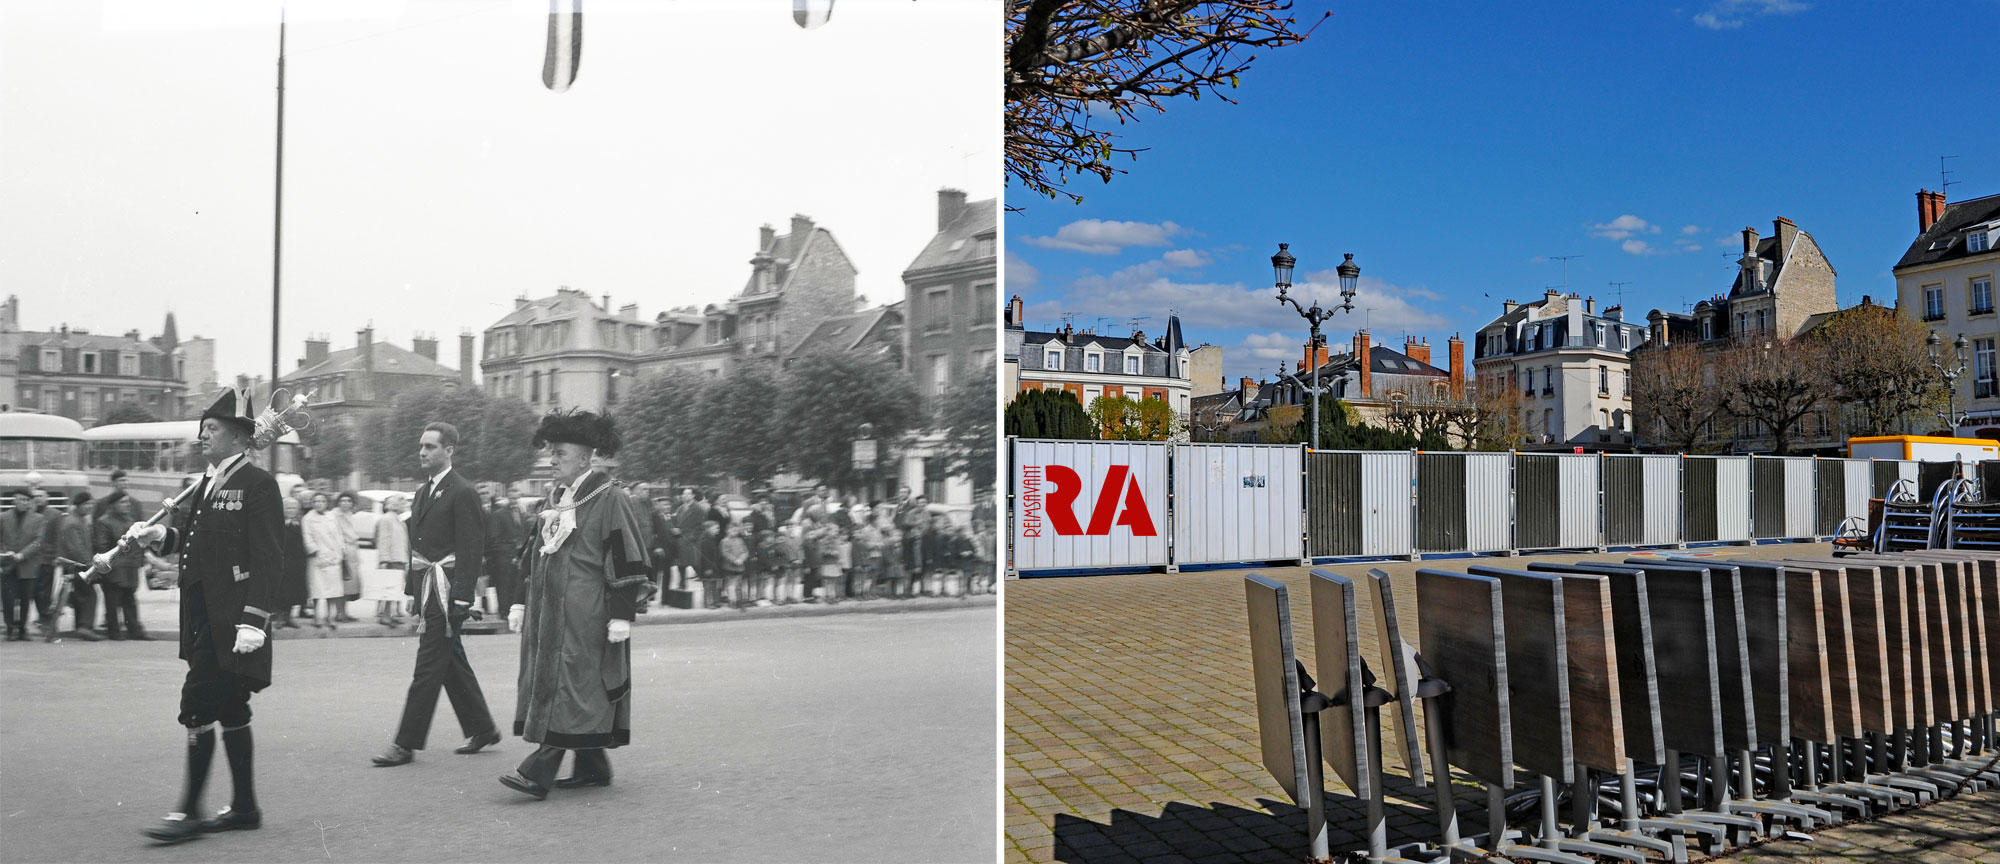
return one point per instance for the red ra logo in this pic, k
(1119, 502)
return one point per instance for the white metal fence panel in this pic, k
(1489, 502)
(1860, 488)
(1238, 502)
(1089, 504)
(1663, 500)
(1732, 498)
(1577, 477)
(1801, 497)
(1386, 482)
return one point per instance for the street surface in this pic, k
(852, 737)
(1131, 727)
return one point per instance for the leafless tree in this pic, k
(1774, 384)
(1674, 397)
(1076, 66)
(1877, 362)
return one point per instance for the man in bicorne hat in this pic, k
(230, 559)
(587, 573)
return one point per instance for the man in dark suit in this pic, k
(21, 553)
(448, 547)
(231, 564)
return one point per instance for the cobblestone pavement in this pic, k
(1957, 830)
(1131, 726)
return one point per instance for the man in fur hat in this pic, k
(587, 573)
(230, 566)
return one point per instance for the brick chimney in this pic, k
(802, 229)
(1507, 306)
(465, 364)
(1786, 232)
(1615, 313)
(1749, 241)
(1361, 352)
(1015, 312)
(1455, 350)
(951, 205)
(1590, 305)
(426, 347)
(1247, 388)
(1316, 355)
(1930, 206)
(315, 352)
(1418, 349)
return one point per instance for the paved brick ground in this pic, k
(1131, 726)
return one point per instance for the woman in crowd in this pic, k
(894, 576)
(121, 583)
(294, 583)
(324, 548)
(392, 553)
(350, 555)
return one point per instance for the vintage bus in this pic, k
(41, 451)
(158, 458)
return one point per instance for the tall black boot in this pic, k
(242, 812)
(200, 753)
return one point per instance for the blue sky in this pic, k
(1456, 149)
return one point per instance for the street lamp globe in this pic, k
(1961, 345)
(1350, 273)
(1281, 267)
(1932, 342)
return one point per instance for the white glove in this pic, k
(146, 535)
(620, 631)
(515, 616)
(248, 639)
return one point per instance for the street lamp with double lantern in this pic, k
(1948, 369)
(1349, 273)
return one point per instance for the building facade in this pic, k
(1375, 381)
(350, 384)
(86, 376)
(1092, 366)
(565, 351)
(797, 281)
(949, 300)
(1571, 365)
(1946, 278)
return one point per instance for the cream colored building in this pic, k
(1572, 366)
(1946, 280)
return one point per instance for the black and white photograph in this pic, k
(499, 430)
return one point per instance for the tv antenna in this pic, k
(1136, 320)
(1620, 288)
(1565, 260)
(1099, 326)
(1069, 320)
(1944, 177)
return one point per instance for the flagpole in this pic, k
(278, 210)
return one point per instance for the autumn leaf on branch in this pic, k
(1075, 66)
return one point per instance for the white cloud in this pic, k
(1021, 275)
(1259, 354)
(1184, 258)
(1690, 229)
(1205, 307)
(1694, 248)
(1101, 237)
(1733, 14)
(1638, 247)
(1623, 227)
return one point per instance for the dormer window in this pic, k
(1132, 364)
(1093, 362)
(1976, 242)
(1597, 335)
(1053, 361)
(51, 360)
(1708, 328)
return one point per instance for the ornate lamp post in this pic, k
(1281, 269)
(1948, 369)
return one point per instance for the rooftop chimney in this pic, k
(1361, 353)
(802, 229)
(1015, 310)
(465, 367)
(426, 347)
(766, 236)
(315, 351)
(1419, 350)
(1507, 306)
(1749, 240)
(1786, 232)
(1455, 350)
(1550, 294)
(1247, 388)
(1930, 206)
(951, 204)
(629, 311)
(1590, 305)
(521, 302)
(1615, 313)
(364, 341)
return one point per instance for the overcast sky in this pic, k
(430, 177)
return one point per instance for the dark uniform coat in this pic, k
(574, 683)
(229, 543)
